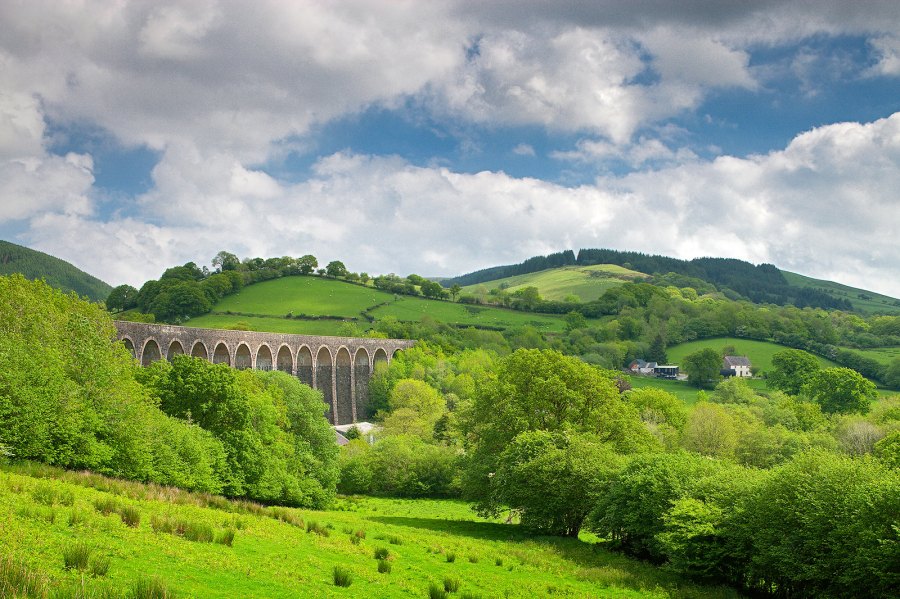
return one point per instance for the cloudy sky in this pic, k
(442, 137)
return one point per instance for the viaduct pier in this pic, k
(339, 367)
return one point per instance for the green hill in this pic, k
(867, 302)
(588, 283)
(282, 552)
(319, 306)
(57, 273)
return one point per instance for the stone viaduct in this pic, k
(339, 367)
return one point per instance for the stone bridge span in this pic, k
(339, 367)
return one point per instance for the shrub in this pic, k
(197, 531)
(100, 565)
(451, 584)
(130, 516)
(17, 580)
(226, 538)
(151, 588)
(451, 556)
(106, 505)
(342, 577)
(382, 553)
(384, 566)
(436, 591)
(76, 557)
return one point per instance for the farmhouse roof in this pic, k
(734, 361)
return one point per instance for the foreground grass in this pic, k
(279, 552)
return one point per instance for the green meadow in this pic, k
(69, 534)
(759, 352)
(296, 305)
(587, 282)
(862, 300)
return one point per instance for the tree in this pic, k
(702, 367)
(553, 480)
(841, 390)
(528, 296)
(544, 390)
(415, 409)
(657, 350)
(123, 297)
(455, 291)
(336, 269)
(710, 431)
(791, 370)
(307, 264)
(432, 289)
(226, 261)
(892, 374)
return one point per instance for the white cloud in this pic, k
(523, 150)
(887, 49)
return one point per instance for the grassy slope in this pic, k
(271, 301)
(759, 352)
(271, 558)
(587, 282)
(58, 273)
(877, 303)
(884, 355)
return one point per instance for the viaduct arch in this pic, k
(339, 367)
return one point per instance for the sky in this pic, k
(438, 138)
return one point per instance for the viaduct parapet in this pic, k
(339, 367)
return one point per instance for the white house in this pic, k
(739, 364)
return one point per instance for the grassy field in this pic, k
(884, 355)
(263, 307)
(204, 546)
(315, 296)
(587, 282)
(862, 300)
(759, 352)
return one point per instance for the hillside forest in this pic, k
(791, 490)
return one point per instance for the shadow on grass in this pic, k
(491, 531)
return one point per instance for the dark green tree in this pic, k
(307, 264)
(702, 367)
(226, 261)
(123, 297)
(841, 390)
(336, 269)
(791, 370)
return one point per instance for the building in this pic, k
(642, 367)
(739, 365)
(666, 371)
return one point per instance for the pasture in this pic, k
(64, 531)
(759, 352)
(587, 282)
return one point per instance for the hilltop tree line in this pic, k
(72, 396)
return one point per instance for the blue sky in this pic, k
(441, 138)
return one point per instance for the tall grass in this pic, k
(76, 557)
(18, 580)
(150, 588)
(342, 576)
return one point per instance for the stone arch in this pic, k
(343, 386)
(285, 360)
(380, 356)
(243, 359)
(325, 380)
(175, 349)
(305, 366)
(129, 345)
(151, 352)
(361, 374)
(264, 358)
(221, 355)
(198, 350)
(395, 352)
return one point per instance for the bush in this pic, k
(151, 588)
(226, 538)
(451, 556)
(342, 577)
(384, 566)
(130, 516)
(100, 566)
(382, 553)
(76, 557)
(436, 591)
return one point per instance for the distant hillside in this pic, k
(864, 301)
(588, 283)
(58, 273)
(763, 283)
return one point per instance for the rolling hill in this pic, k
(867, 302)
(588, 283)
(320, 306)
(57, 273)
